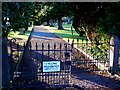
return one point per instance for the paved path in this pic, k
(40, 34)
(84, 80)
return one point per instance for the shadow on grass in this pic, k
(55, 35)
(44, 34)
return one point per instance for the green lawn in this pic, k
(22, 37)
(66, 33)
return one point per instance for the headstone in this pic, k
(21, 31)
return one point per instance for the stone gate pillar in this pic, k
(5, 64)
(114, 54)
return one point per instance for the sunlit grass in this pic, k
(23, 37)
(66, 33)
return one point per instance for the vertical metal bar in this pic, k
(91, 45)
(68, 40)
(12, 61)
(54, 49)
(30, 55)
(43, 77)
(60, 60)
(30, 48)
(104, 43)
(87, 47)
(72, 45)
(109, 54)
(36, 57)
(70, 66)
(42, 51)
(60, 50)
(65, 47)
(18, 53)
(24, 51)
(48, 51)
(17, 65)
(48, 59)
(93, 61)
(77, 40)
(36, 50)
(65, 65)
(53, 77)
(97, 63)
(85, 42)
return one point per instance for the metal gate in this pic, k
(42, 65)
(90, 56)
(33, 65)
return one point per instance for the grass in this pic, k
(22, 37)
(66, 33)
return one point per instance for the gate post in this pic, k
(5, 64)
(114, 54)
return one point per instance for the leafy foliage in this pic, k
(96, 19)
(110, 24)
(19, 14)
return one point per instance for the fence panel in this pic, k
(30, 71)
(52, 64)
(90, 55)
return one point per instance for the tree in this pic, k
(86, 16)
(110, 23)
(19, 14)
(15, 15)
(56, 10)
(96, 19)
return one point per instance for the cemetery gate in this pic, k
(42, 65)
(36, 65)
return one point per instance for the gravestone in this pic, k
(21, 31)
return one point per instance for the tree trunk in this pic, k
(60, 27)
(47, 22)
(51, 23)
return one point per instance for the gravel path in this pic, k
(92, 81)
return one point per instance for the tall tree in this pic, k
(96, 19)
(17, 14)
(86, 16)
(110, 23)
(56, 11)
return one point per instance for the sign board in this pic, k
(51, 66)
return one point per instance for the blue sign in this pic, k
(51, 66)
